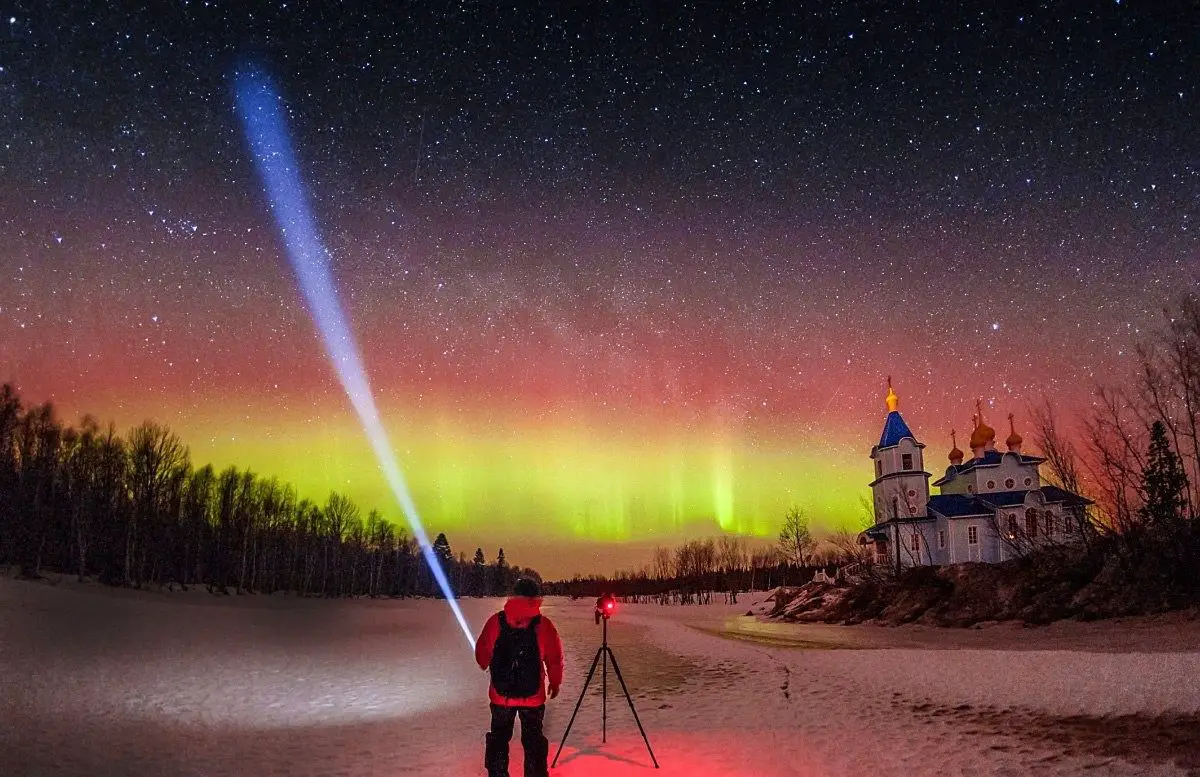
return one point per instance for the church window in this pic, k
(970, 488)
(906, 461)
(972, 535)
(911, 493)
(1012, 526)
(1048, 523)
(895, 507)
(916, 542)
(1031, 522)
(878, 468)
(1009, 483)
(991, 484)
(942, 539)
(1029, 481)
(1068, 524)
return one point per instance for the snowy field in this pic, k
(101, 683)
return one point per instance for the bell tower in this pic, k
(901, 485)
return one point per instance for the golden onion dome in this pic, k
(983, 435)
(1014, 440)
(956, 456)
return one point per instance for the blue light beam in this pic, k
(260, 108)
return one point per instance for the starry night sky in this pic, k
(620, 274)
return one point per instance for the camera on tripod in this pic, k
(606, 607)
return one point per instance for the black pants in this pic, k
(537, 748)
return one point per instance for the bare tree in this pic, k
(156, 457)
(1116, 445)
(795, 539)
(866, 506)
(731, 556)
(762, 562)
(840, 547)
(1059, 451)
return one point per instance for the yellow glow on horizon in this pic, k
(580, 481)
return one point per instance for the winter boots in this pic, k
(537, 752)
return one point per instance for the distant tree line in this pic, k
(133, 511)
(695, 571)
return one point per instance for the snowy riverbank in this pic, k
(111, 683)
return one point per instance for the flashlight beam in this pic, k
(261, 110)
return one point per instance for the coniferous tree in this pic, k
(441, 549)
(479, 584)
(1164, 481)
(500, 577)
(445, 558)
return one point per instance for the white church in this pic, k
(992, 507)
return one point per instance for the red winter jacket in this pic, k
(519, 611)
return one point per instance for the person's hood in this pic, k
(519, 610)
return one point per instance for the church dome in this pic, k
(956, 456)
(983, 435)
(1014, 440)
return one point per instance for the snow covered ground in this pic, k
(102, 683)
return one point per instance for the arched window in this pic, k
(916, 542)
(1012, 526)
(1031, 522)
(895, 507)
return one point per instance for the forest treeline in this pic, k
(133, 511)
(696, 570)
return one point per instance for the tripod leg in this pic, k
(578, 704)
(612, 657)
(603, 700)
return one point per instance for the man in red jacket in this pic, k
(521, 648)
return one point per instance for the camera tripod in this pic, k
(604, 654)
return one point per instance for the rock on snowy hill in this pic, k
(1032, 591)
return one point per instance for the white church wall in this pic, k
(961, 548)
(997, 478)
(956, 486)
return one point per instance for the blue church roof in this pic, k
(894, 430)
(1056, 494)
(1053, 495)
(961, 505)
(956, 505)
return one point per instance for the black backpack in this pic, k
(517, 660)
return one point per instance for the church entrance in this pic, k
(881, 552)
